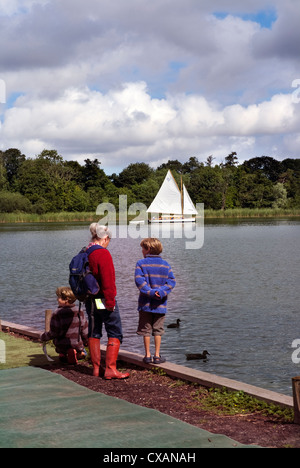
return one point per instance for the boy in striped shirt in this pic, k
(155, 280)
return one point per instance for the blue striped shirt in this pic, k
(152, 274)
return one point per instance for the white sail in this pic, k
(188, 205)
(169, 199)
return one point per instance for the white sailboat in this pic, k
(172, 205)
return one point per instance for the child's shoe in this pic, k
(147, 360)
(62, 357)
(72, 356)
(158, 359)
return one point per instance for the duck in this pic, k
(203, 355)
(174, 325)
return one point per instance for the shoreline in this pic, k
(78, 217)
(176, 371)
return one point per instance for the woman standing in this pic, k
(104, 308)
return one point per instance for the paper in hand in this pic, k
(100, 304)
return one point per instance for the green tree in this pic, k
(3, 174)
(280, 196)
(34, 183)
(12, 160)
(255, 191)
(76, 199)
(291, 180)
(204, 187)
(10, 202)
(231, 160)
(93, 176)
(47, 182)
(173, 165)
(76, 171)
(209, 160)
(191, 165)
(145, 192)
(96, 195)
(266, 165)
(227, 182)
(136, 173)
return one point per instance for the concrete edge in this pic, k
(179, 372)
(22, 329)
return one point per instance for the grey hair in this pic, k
(99, 232)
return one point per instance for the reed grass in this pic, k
(19, 217)
(252, 213)
(48, 217)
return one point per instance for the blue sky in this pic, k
(141, 81)
(265, 18)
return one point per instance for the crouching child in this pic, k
(68, 328)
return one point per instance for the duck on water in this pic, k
(203, 355)
(174, 325)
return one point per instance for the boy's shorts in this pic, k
(151, 323)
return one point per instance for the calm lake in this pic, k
(237, 296)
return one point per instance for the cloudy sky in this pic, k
(146, 81)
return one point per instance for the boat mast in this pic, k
(181, 193)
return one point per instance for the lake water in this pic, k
(237, 296)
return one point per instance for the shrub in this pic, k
(13, 201)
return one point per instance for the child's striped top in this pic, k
(152, 274)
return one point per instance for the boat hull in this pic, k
(172, 221)
(137, 222)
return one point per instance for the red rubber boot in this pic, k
(112, 352)
(95, 353)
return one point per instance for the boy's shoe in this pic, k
(158, 359)
(147, 360)
(63, 358)
(72, 356)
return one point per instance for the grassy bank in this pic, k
(252, 213)
(91, 216)
(48, 217)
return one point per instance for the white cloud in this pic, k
(128, 125)
(146, 81)
(283, 40)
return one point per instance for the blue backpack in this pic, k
(81, 280)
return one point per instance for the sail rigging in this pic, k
(170, 200)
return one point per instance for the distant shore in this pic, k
(66, 217)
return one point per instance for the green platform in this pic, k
(42, 409)
(39, 409)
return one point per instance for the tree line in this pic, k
(47, 183)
